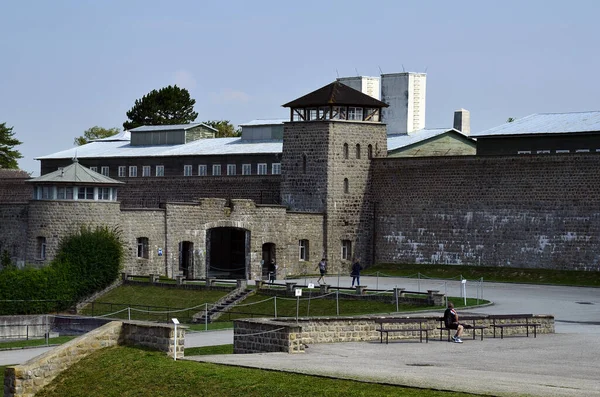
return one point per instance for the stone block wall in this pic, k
(291, 335)
(144, 223)
(518, 211)
(27, 379)
(13, 231)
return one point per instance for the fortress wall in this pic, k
(521, 211)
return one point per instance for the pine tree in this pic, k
(8, 155)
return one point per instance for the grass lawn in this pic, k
(498, 274)
(146, 299)
(35, 342)
(208, 350)
(127, 371)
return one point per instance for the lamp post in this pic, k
(175, 322)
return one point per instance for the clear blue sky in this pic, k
(66, 66)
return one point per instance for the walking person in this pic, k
(451, 322)
(322, 266)
(356, 268)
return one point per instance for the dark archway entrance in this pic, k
(268, 253)
(186, 259)
(228, 250)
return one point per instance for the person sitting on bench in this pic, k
(451, 322)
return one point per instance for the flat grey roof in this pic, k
(547, 123)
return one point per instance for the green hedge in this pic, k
(87, 261)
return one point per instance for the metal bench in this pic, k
(473, 326)
(524, 320)
(422, 327)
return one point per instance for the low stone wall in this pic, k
(291, 336)
(30, 377)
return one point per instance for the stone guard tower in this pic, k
(328, 144)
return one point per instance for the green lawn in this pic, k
(128, 372)
(145, 299)
(497, 274)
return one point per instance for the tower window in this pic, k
(345, 151)
(303, 250)
(358, 151)
(304, 163)
(370, 152)
(346, 249)
(41, 247)
(346, 185)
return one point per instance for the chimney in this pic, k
(462, 121)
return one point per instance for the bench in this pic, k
(463, 320)
(422, 328)
(524, 320)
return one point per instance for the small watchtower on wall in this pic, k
(328, 144)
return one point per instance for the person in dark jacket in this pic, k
(356, 268)
(451, 322)
(272, 271)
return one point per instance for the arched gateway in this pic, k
(228, 252)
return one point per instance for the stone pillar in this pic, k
(180, 280)
(289, 287)
(399, 293)
(430, 296)
(324, 288)
(259, 284)
(210, 282)
(154, 278)
(361, 290)
(124, 276)
(242, 284)
(438, 299)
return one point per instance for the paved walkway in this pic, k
(562, 364)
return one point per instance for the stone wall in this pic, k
(291, 335)
(24, 326)
(13, 231)
(518, 211)
(30, 377)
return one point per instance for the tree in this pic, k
(8, 156)
(224, 127)
(169, 105)
(95, 133)
(510, 119)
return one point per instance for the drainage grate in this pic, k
(585, 303)
(420, 365)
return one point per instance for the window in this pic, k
(262, 169)
(142, 247)
(346, 249)
(132, 171)
(562, 151)
(276, 168)
(524, 152)
(202, 170)
(160, 170)
(187, 170)
(303, 248)
(345, 150)
(231, 169)
(122, 171)
(105, 171)
(582, 151)
(85, 193)
(357, 151)
(355, 113)
(246, 169)
(543, 152)
(370, 152)
(47, 193)
(41, 247)
(104, 193)
(346, 187)
(95, 169)
(65, 193)
(216, 169)
(146, 170)
(304, 163)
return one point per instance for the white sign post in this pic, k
(175, 322)
(311, 286)
(298, 292)
(464, 285)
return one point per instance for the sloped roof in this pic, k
(258, 122)
(336, 93)
(146, 128)
(121, 136)
(400, 141)
(547, 123)
(7, 173)
(75, 173)
(201, 147)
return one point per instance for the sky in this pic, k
(66, 66)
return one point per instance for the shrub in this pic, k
(87, 261)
